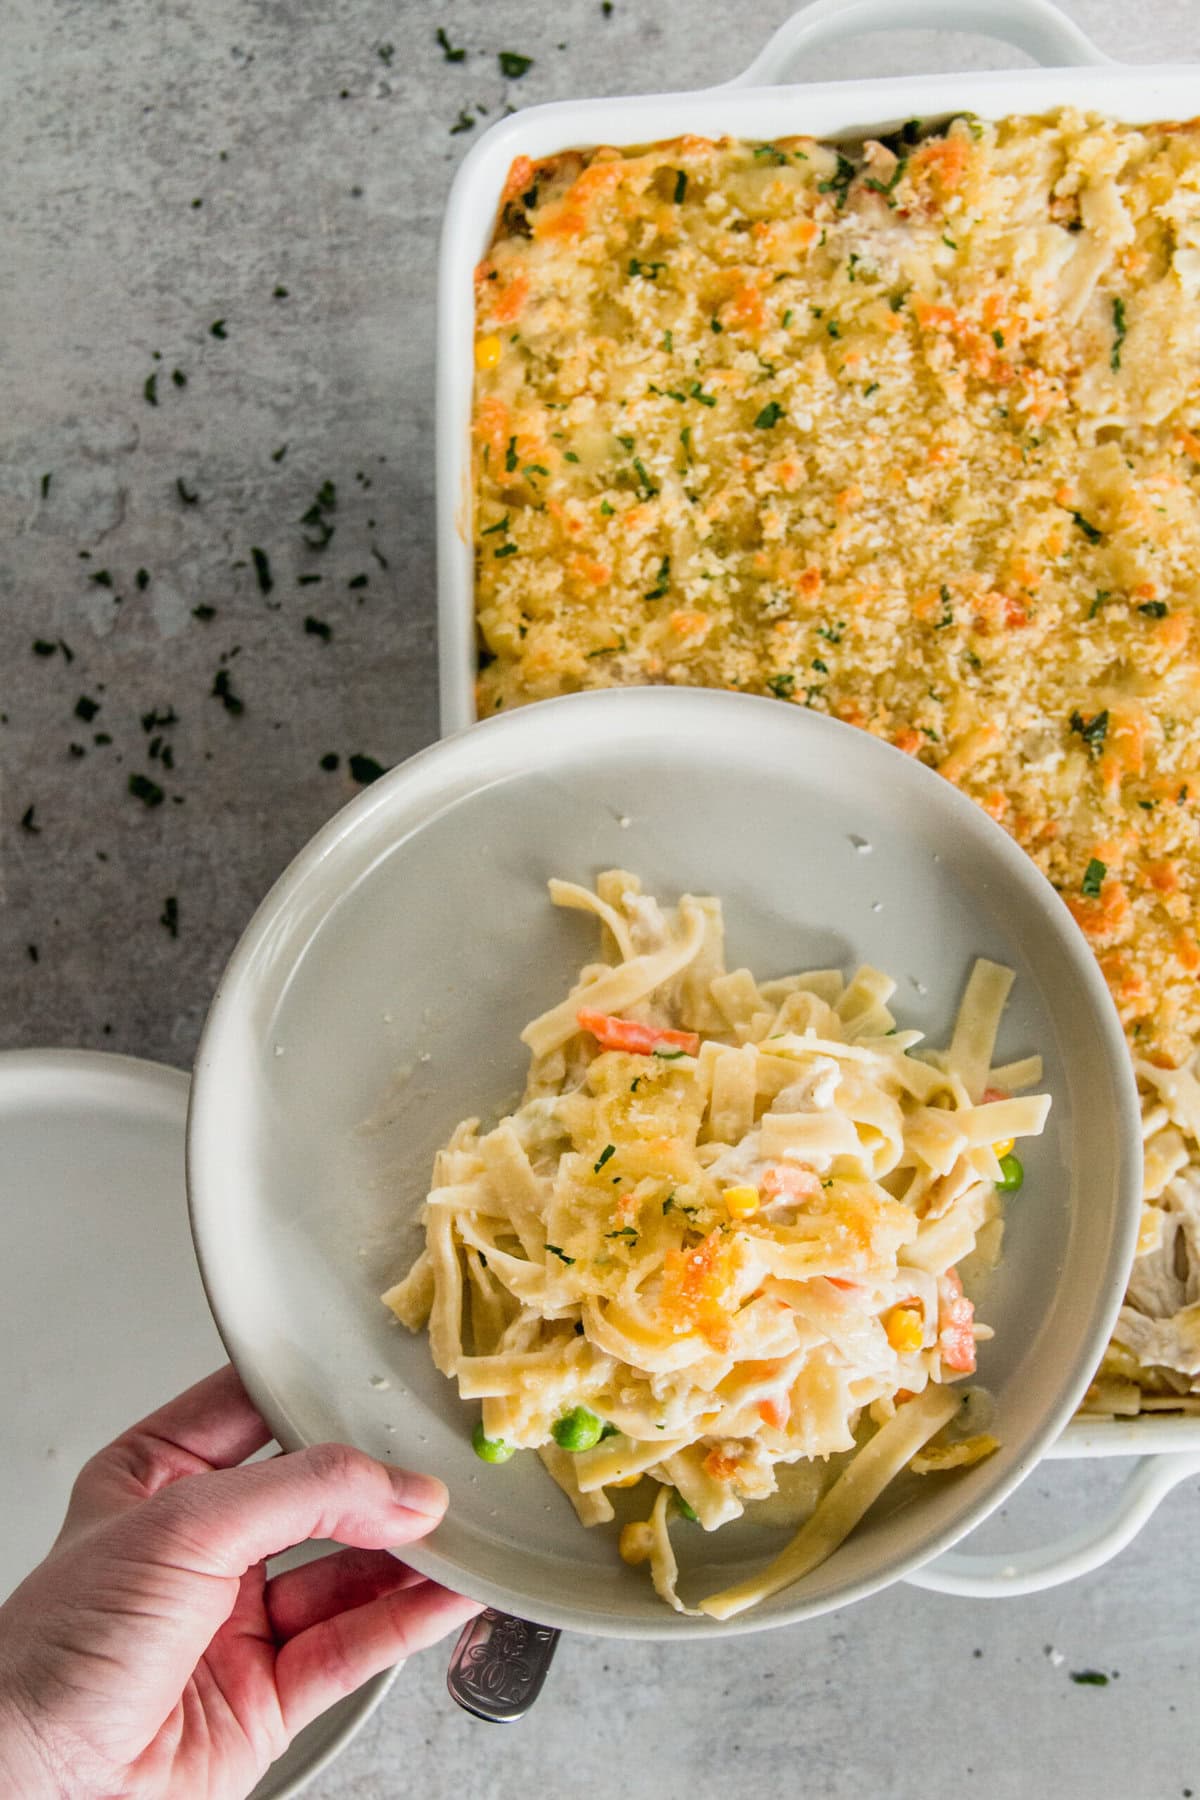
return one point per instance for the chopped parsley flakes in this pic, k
(1093, 877)
(145, 790)
(262, 569)
(512, 65)
(662, 582)
(364, 769)
(838, 183)
(222, 690)
(1119, 330)
(1093, 731)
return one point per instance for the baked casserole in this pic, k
(906, 431)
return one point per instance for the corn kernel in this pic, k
(1003, 1146)
(905, 1329)
(488, 351)
(625, 1481)
(636, 1542)
(741, 1201)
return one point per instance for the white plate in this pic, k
(102, 1315)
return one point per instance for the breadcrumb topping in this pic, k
(905, 431)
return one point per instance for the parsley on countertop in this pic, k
(262, 569)
(365, 769)
(145, 790)
(512, 65)
(222, 690)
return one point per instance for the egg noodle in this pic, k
(720, 1234)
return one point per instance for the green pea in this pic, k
(490, 1450)
(1011, 1175)
(578, 1429)
(687, 1511)
(609, 1431)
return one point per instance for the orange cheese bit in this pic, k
(696, 1288)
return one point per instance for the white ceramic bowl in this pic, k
(377, 997)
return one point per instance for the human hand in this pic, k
(149, 1655)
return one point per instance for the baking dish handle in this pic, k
(980, 1577)
(1035, 26)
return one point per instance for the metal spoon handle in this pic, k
(499, 1665)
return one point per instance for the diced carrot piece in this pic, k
(746, 308)
(720, 1466)
(931, 317)
(1102, 919)
(587, 568)
(491, 423)
(945, 157)
(612, 1033)
(509, 302)
(1163, 876)
(520, 175)
(1188, 951)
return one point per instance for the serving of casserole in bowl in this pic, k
(878, 398)
(613, 1230)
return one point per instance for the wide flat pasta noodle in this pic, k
(857, 1488)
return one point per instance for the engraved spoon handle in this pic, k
(499, 1665)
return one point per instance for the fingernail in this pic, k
(419, 1493)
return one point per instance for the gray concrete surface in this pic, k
(170, 164)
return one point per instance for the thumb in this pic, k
(221, 1523)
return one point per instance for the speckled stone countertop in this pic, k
(217, 581)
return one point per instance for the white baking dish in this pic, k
(764, 102)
